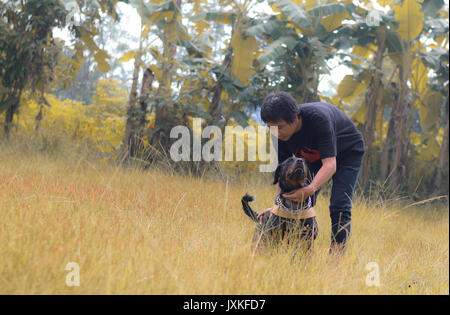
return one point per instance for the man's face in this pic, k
(285, 130)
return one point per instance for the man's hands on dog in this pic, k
(301, 194)
(262, 213)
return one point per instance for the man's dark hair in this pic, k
(277, 106)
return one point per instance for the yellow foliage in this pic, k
(362, 52)
(429, 110)
(419, 76)
(427, 146)
(127, 56)
(158, 16)
(101, 124)
(360, 115)
(200, 26)
(385, 2)
(351, 87)
(66, 70)
(309, 4)
(410, 17)
(243, 50)
(100, 55)
(332, 22)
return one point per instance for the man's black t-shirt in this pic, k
(326, 132)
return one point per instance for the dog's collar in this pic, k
(292, 207)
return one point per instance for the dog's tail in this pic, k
(247, 209)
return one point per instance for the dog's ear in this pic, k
(277, 175)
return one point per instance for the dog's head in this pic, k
(291, 174)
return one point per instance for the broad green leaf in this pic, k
(334, 21)
(159, 16)
(419, 76)
(410, 17)
(360, 115)
(431, 148)
(327, 9)
(384, 3)
(309, 4)
(429, 110)
(100, 57)
(362, 52)
(271, 27)
(175, 32)
(153, 13)
(243, 54)
(294, 12)
(277, 49)
(196, 111)
(431, 7)
(240, 118)
(351, 87)
(157, 71)
(204, 43)
(218, 17)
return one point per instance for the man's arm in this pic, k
(321, 178)
(324, 174)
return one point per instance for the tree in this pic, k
(28, 52)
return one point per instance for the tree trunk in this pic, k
(215, 108)
(165, 110)
(10, 112)
(40, 115)
(371, 118)
(397, 179)
(9, 118)
(132, 120)
(389, 142)
(443, 155)
(147, 81)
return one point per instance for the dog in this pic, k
(288, 221)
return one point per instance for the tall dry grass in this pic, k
(153, 232)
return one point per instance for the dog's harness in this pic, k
(303, 211)
(305, 205)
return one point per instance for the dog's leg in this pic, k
(266, 232)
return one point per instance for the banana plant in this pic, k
(369, 43)
(399, 35)
(298, 42)
(233, 74)
(410, 30)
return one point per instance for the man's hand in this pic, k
(323, 175)
(262, 213)
(301, 194)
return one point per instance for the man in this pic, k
(324, 136)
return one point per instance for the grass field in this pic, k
(151, 232)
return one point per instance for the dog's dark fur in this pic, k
(291, 175)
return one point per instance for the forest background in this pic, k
(114, 77)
